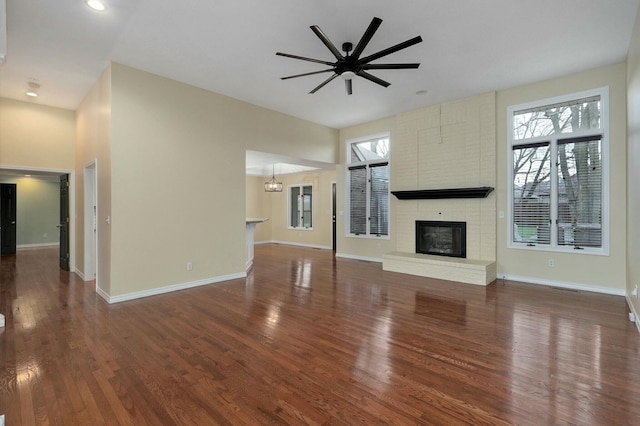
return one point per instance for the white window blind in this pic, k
(301, 206)
(368, 192)
(379, 201)
(532, 193)
(358, 200)
(580, 192)
(559, 174)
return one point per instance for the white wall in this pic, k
(441, 147)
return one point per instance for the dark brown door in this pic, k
(333, 220)
(7, 218)
(64, 222)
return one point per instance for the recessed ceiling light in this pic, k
(421, 92)
(95, 5)
(32, 91)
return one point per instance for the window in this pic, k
(300, 206)
(559, 173)
(368, 187)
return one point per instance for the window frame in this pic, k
(554, 140)
(351, 163)
(301, 187)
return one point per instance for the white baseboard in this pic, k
(567, 285)
(167, 289)
(356, 257)
(289, 243)
(39, 245)
(80, 274)
(634, 312)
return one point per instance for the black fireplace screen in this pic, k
(441, 238)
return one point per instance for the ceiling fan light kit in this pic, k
(350, 65)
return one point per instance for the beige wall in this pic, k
(606, 273)
(274, 206)
(178, 181)
(321, 234)
(601, 273)
(39, 138)
(444, 146)
(37, 210)
(633, 166)
(172, 143)
(258, 205)
(33, 136)
(93, 133)
(357, 247)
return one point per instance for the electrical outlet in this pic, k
(634, 292)
(552, 263)
(189, 266)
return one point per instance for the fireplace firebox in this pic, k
(441, 238)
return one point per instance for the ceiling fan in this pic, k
(349, 65)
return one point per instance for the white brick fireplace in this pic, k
(452, 145)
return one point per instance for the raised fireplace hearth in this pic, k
(441, 238)
(441, 253)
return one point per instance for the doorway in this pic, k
(51, 174)
(8, 218)
(65, 222)
(333, 214)
(90, 222)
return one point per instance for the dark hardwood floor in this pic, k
(309, 339)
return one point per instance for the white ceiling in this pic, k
(229, 47)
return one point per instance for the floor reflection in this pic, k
(301, 273)
(441, 308)
(559, 350)
(28, 372)
(301, 280)
(374, 352)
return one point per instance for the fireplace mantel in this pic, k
(432, 194)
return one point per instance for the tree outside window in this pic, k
(557, 174)
(368, 187)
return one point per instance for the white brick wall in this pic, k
(451, 145)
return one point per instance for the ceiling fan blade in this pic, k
(305, 74)
(389, 66)
(316, 29)
(392, 49)
(366, 37)
(373, 78)
(348, 87)
(321, 85)
(317, 61)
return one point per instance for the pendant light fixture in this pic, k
(273, 185)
